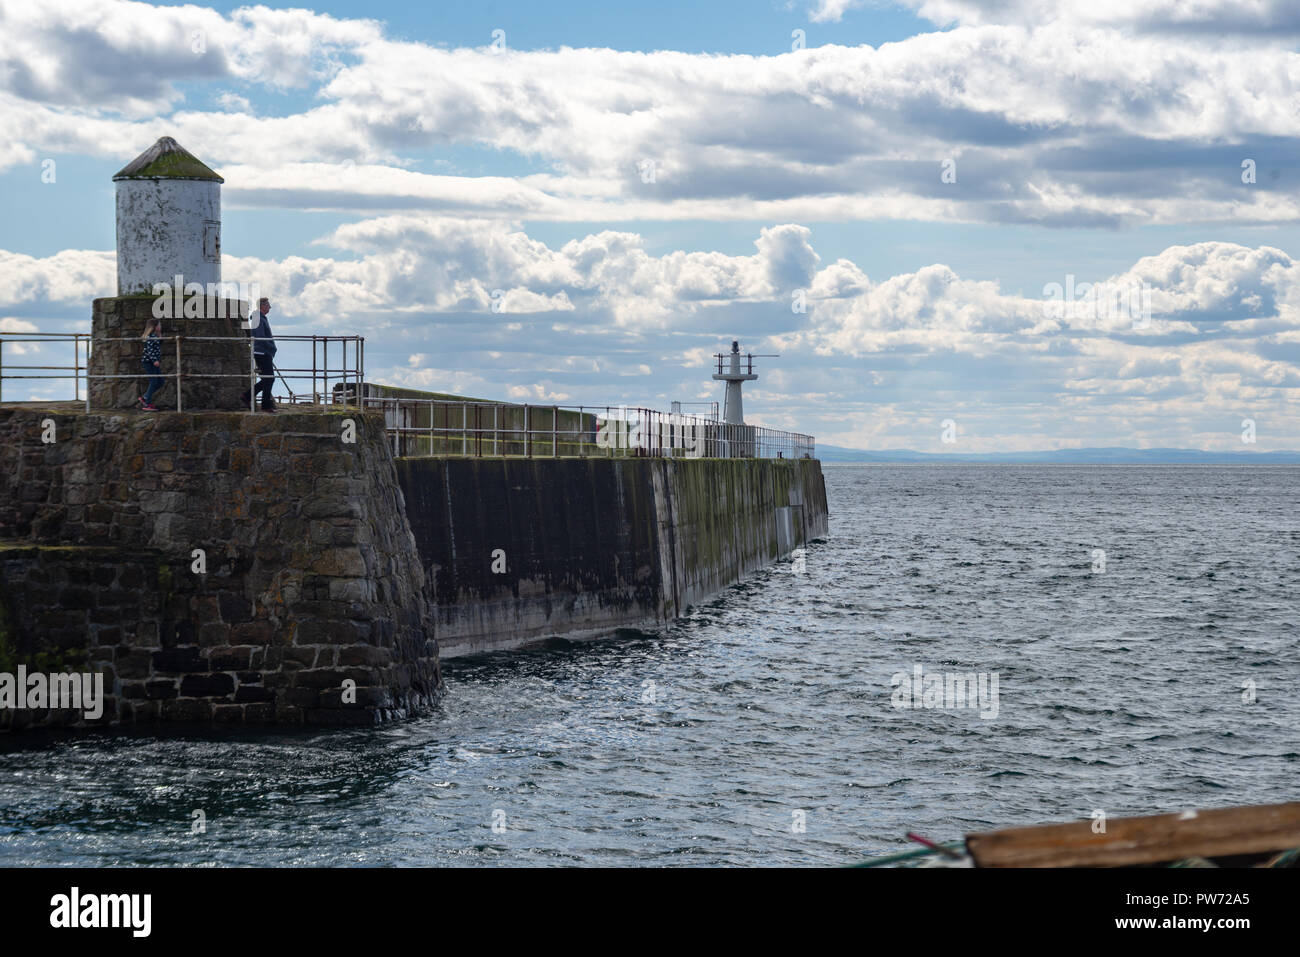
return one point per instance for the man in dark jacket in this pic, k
(263, 354)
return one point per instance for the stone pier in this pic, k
(214, 566)
(287, 569)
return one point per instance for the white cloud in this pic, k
(600, 320)
(234, 102)
(832, 11)
(1034, 114)
(73, 275)
(129, 57)
(535, 393)
(1067, 113)
(1259, 18)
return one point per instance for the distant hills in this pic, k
(1105, 456)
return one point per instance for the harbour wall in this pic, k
(517, 549)
(309, 579)
(241, 568)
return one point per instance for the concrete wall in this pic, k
(312, 576)
(595, 544)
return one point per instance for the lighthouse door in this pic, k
(211, 242)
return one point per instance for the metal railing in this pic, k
(422, 427)
(78, 369)
(419, 426)
(317, 377)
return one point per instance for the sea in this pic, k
(971, 647)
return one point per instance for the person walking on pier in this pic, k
(263, 354)
(151, 362)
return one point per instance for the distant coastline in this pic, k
(833, 454)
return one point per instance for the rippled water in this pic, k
(1119, 690)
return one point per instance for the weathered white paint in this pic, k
(165, 228)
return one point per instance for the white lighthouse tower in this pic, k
(168, 220)
(169, 225)
(733, 410)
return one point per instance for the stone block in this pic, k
(364, 656)
(177, 660)
(259, 713)
(228, 713)
(247, 693)
(234, 608)
(326, 632)
(186, 710)
(300, 697)
(159, 689)
(213, 634)
(134, 662)
(210, 685)
(320, 678)
(252, 632)
(229, 659)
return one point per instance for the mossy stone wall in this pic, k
(311, 580)
(215, 359)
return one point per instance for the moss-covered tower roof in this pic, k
(166, 159)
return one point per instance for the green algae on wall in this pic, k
(49, 651)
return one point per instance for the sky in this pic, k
(915, 204)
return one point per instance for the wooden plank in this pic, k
(1221, 832)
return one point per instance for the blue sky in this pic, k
(387, 168)
(722, 26)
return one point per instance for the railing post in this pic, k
(464, 424)
(528, 435)
(76, 369)
(496, 442)
(555, 431)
